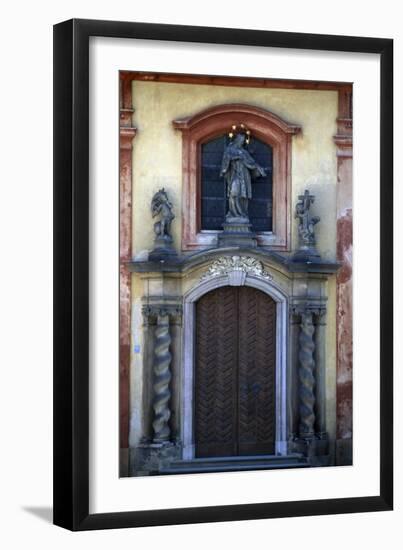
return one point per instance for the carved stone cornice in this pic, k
(242, 265)
(127, 134)
(126, 118)
(344, 125)
(185, 263)
(344, 144)
(235, 110)
(343, 140)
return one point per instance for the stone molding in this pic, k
(240, 109)
(238, 81)
(186, 263)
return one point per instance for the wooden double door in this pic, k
(235, 373)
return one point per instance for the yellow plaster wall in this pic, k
(136, 367)
(157, 150)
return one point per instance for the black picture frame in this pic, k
(71, 274)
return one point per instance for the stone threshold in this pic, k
(235, 463)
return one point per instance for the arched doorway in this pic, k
(235, 373)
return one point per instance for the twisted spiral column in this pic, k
(162, 378)
(306, 377)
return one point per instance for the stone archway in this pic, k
(233, 278)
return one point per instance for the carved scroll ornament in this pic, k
(228, 264)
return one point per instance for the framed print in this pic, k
(221, 353)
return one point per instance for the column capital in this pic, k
(308, 308)
(151, 313)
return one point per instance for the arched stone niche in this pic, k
(170, 292)
(213, 122)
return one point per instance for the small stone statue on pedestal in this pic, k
(306, 223)
(162, 206)
(238, 168)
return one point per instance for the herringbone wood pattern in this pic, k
(257, 318)
(215, 380)
(235, 373)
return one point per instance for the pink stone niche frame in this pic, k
(216, 121)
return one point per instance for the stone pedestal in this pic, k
(237, 234)
(306, 254)
(163, 248)
(316, 450)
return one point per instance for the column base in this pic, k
(123, 462)
(150, 458)
(315, 449)
(344, 452)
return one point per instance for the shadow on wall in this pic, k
(44, 513)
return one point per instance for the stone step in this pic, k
(238, 463)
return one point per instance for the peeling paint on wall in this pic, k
(344, 326)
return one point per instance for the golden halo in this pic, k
(242, 129)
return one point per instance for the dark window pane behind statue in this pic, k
(213, 193)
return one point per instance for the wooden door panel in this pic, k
(257, 321)
(216, 374)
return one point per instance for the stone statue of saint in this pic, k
(238, 168)
(162, 206)
(306, 222)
